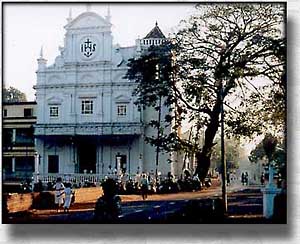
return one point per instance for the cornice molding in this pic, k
(86, 85)
(89, 129)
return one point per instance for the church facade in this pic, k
(86, 117)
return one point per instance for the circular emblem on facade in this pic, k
(88, 47)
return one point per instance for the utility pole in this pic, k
(223, 159)
(158, 138)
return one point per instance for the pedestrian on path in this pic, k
(68, 197)
(228, 178)
(262, 179)
(110, 172)
(59, 193)
(144, 186)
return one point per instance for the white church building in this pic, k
(86, 116)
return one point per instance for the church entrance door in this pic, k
(87, 157)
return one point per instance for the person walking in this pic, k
(243, 178)
(246, 178)
(228, 178)
(59, 193)
(262, 179)
(68, 197)
(110, 172)
(144, 186)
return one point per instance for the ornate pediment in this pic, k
(54, 100)
(88, 20)
(87, 78)
(55, 79)
(122, 99)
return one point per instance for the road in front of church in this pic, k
(243, 202)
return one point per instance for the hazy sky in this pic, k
(29, 26)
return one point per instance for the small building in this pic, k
(18, 151)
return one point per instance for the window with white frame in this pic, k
(53, 111)
(87, 107)
(122, 110)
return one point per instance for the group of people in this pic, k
(245, 178)
(141, 180)
(63, 194)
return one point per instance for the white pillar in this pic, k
(13, 165)
(14, 133)
(269, 193)
(119, 165)
(36, 167)
(36, 163)
(268, 201)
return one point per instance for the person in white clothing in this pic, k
(59, 193)
(110, 172)
(68, 197)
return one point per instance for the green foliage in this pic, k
(152, 73)
(269, 145)
(232, 53)
(272, 149)
(257, 154)
(233, 152)
(11, 95)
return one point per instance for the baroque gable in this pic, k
(88, 20)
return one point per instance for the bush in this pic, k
(44, 200)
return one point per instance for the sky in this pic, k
(28, 27)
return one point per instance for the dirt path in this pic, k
(89, 206)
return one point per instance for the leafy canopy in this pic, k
(11, 95)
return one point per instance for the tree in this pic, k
(152, 72)
(272, 149)
(233, 154)
(225, 53)
(11, 95)
(220, 54)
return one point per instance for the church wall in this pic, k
(107, 156)
(64, 152)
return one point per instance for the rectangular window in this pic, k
(53, 111)
(28, 112)
(53, 163)
(122, 110)
(87, 107)
(4, 112)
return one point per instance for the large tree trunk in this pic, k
(203, 155)
(203, 164)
